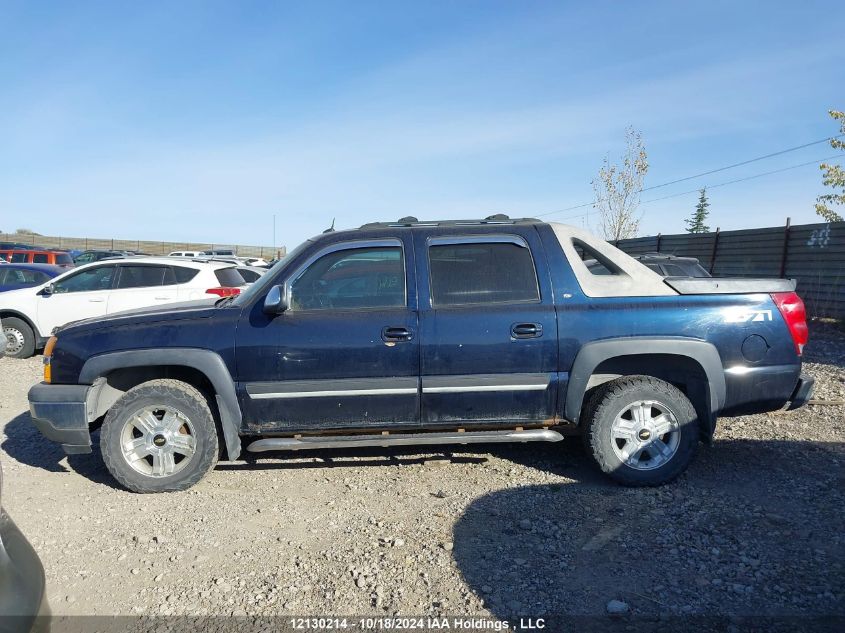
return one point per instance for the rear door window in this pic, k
(40, 258)
(18, 258)
(63, 258)
(140, 276)
(477, 272)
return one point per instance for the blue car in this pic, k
(17, 276)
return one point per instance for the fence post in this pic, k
(658, 242)
(785, 251)
(713, 252)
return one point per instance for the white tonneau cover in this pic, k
(728, 286)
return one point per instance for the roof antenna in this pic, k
(331, 228)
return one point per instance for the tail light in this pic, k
(223, 291)
(792, 309)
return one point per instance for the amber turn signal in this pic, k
(48, 353)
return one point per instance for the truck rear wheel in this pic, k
(641, 431)
(159, 437)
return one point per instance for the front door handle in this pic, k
(96, 300)
(392, 334)
(526, 330)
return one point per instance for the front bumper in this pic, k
(803, 392)
(60, 412)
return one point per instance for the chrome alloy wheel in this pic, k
(158, 441)
(645, 435)
(14, 340)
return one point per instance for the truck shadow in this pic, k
(755, 528)
(562, 457)
(25, 444)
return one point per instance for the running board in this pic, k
(407, 439)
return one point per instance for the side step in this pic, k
(407, 439)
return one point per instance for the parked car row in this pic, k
(37, 256)
(31, 312)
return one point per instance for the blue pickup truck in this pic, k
(429, 333)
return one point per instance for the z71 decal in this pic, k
(746, 315)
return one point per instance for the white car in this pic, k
(30, 314)
(188, 254)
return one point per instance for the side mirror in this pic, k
(46, 291)
(276, 301)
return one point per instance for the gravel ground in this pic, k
(755, 527)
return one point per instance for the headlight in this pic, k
(48, 353)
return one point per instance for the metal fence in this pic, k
(812, 254)
(153, 248)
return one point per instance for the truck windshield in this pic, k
(269, 278)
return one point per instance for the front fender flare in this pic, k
(205, 361)
(592, 354)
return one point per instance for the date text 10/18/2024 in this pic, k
(415, 624)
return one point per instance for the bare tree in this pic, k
(617, 190)
(834, 177)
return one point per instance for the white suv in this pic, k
(30, 314)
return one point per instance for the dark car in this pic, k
(23, 602)
(673, 265)
(420, 333)
(16, 276)
(16, 246)
(663, 265)
(91, 256)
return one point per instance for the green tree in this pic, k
(834, 177)
(696, 222)
(617, 190)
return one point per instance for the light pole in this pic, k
(274, 235)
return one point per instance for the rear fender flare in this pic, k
(205, 361)
(591, 355)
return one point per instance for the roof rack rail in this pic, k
(408, 221)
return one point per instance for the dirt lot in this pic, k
(756, 526)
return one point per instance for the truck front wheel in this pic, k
(641, 431)
(159, 437)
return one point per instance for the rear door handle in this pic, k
(526, 330)
(392, 334)
(96, 300)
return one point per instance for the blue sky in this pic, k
(197, 121)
